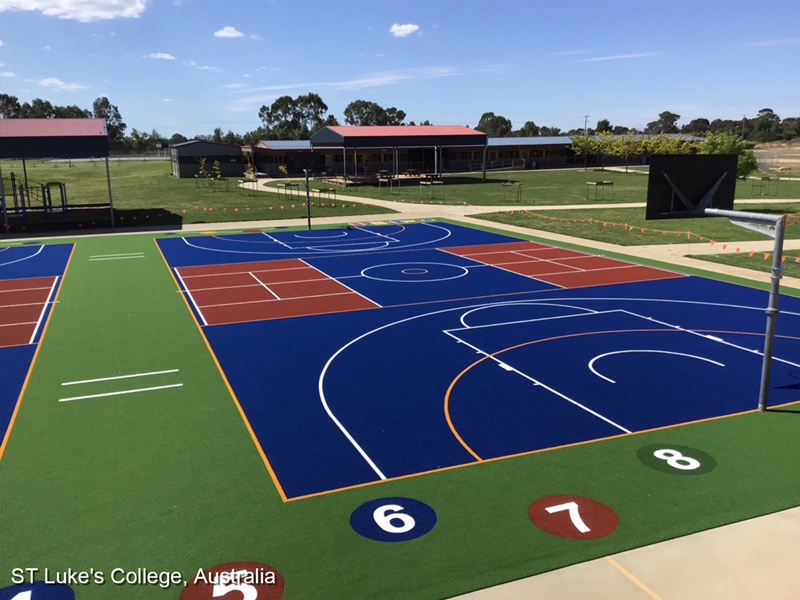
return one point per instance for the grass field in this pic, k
(790, 267)
(554, 187)
(147, 189)
(614, 233)
(171, 480)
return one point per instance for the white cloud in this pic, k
(1, 42)
(46, 48)
(246, 75)
(208, 68)
(8, 74)
(160, 56)
(368, 80)
(255, 37)
(168, 100)
(233, 86)
(618, 57)
(60, 86)
(80, 10)
(228, 32)
(403, 30)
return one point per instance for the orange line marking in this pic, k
(227, 383)
(644, 588)
(35, 355)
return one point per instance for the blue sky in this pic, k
(189, 66)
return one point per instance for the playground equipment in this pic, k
(20, 197)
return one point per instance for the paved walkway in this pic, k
(678, 254)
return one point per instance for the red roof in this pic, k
(20, 128)
(401, 130)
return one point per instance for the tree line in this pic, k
(289, 118)
(633, 145)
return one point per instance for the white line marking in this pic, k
(25, 304)
(588, 313)
(277, 240)
(243, 272)
(278, 300)
(316, 250)
(150, 389)
(121, 377)
(391, 239)
(115, 258)
(47, 287)
(340, 283)
(592, 369)
(188, 293)
(464, 269)
(505, 270)
(120, 254)
(44, 309)
(11, 262)
(15, 324)
(264, 285)
(539, 383)
(702, 335)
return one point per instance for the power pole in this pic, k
(585, 124)
(743, 119)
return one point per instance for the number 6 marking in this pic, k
(384, 521)
(574, 515)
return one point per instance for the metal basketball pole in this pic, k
(774, 285)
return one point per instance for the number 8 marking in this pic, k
(676, 460)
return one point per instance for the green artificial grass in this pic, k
(612, 225)
(171, 480)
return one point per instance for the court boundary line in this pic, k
(13, 418)
(44, 308)
(644, 351)
(225, 380)
(188, 293)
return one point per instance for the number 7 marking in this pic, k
(574, 515)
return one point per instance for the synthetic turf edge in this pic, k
(172, 482)
(227, 383)
(33, 360)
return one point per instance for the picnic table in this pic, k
(411, 173)
(287, 187)
(327, 191)
(432, 182)
(385, 178)
(509, 188)
(763, 185)
(601, 185)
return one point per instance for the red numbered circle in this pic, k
(573, 517)
(235, 581)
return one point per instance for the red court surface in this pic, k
(22, 306)
(559, 266)
(254, 291)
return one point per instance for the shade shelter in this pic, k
(186, 158)
(425, 142)
(53, 138)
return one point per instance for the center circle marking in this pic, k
(414, 272)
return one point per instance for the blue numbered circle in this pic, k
(38, 590)
(393, 519)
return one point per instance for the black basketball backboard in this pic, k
(683, 185)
